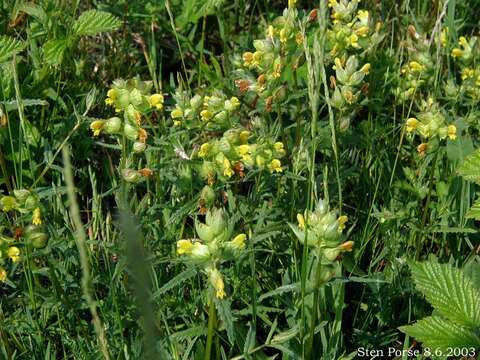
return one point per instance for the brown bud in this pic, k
(313, 15)
(243, 85)
(268, 103)
(333, 82)
(145, 172)
(422, 149)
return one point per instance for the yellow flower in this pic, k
(97, 127)
(177, 123)
(291, 3)
(278, 146)
(14, 253)
(346, 246)
(452, 132)
(457, 52)
(111, 96)
(227, 168)
(332, 3)
(184, 247)
(37, 217)
(243, 149)
(244, 135)
(238, 242)
(270, 32)
(283, 36)
(8, 203)
(204, 149)
(415, 66)
(467, 73)
(176, 113)
(353, 39)
(275, 166)
(3, 274)
(156, 101)
(443, 37)
(363, 16)
(362, 31)
(235, 102)
(206, 115)
(462, 41)
(342, 220)
(247, 58)
(217, 282)
(301, 221)
(412, 124)
(366, 68)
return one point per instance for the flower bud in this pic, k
(112, 125)
(139, 147)
(131, 176)
(130, 131)
(21, 195)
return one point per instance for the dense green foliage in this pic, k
(239, 180)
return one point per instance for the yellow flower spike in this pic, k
(456, 53)
(342, 220)
(238, 242)
(97, 127)
(37, 217)
(204, 149)
(244, 135)
(247, 58)
(184, 247)
(366, 68)
(275, 166)
(3, 274)
(206, 115)
(412, 124)
(156, 101)
(452, 132)
(415, 66)
(301, 221)
(227, 168)
(14, 253)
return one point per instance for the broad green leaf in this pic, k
(53, 51)
(449, 291)
(438, 333)
(470, 168)
(92, 22)
(474, 211)
(33, 10)
(9, 47)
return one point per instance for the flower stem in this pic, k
(211, 329)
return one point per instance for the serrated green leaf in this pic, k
(92, 22)
(474, 211)
(53, 51)
(449, 291)
(12, 104)
(438, 333)
(9, 47)
(470, 168)
(225, 315)
(33, 10)
(176, 281)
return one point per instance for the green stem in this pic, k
(316, 298)
(211, 329)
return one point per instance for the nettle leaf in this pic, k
(449, 291)
(470, 169)
(474, 211)
(9, 47)
(438, 333)
(53, 51)
(92, 22)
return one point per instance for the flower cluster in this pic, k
(431, 124)
(215, 244)
(213, 111)
(232, 154)
(281, 51)
(321, 230)
(417, 72)
(351, 30)
(133, 98)
(25, 202)
(465, 55)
